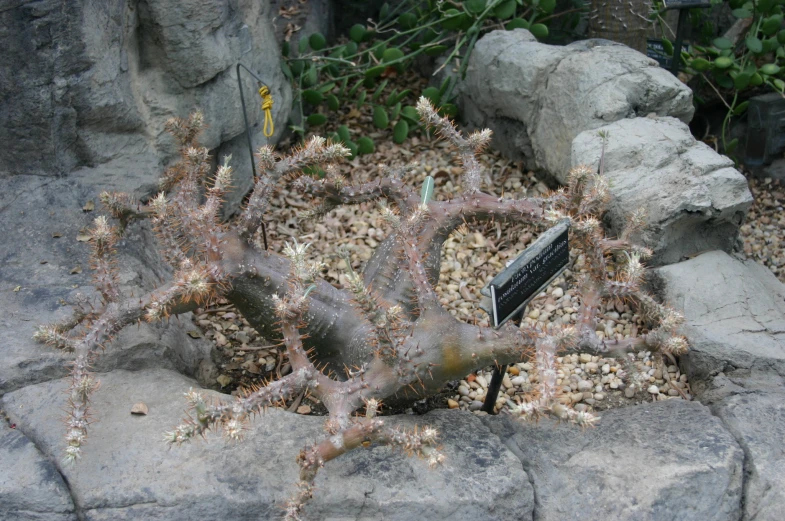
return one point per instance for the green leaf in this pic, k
(667, 46)
(310, 77)
(297, 67)
(741, 107)
(723, 62)
(317, 41)
(770, 44)
(343, 133)
(361, 98)
(756, 80)
(410, 113)
(700, 64)
(779, 84)
(285, 49)
(407, 20)
(378, 50)
(742, 81)
(313, 97)
(781, 37)
(517, 23)
(540, 31)
(722, 43)
(771, 25)
(725, 82)
(395, 111)
(391, 99)
(332, 102)
(475, 6)
(505, 10)
(365, 146)
(448, 109)
(303, 45)
(298, 129)
(432, 93)
(400, 131)
(354, 89)
(401, 95)
(287, 71)
(384, 12)
(351, 48)
(353, 148)
(742, 13)
(327, 87)
(444, 86)
(731, 146)
(452, 19)
(379, 90)
(380, 117)
(435, 50)
(548, 6)
(770, 68)
(374, 72)
(357, 33)
(754, 44)
(316, 119)
(426, 192)
(392, 54)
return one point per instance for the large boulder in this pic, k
(694, 199)
(734, 319)
(660, 461)
(43, 267)
(128, 472)
(31, 488)
(538, 97)
(92, 82)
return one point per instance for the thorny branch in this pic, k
(388, 323)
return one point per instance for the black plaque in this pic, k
(528, 275)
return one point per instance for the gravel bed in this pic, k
(764, 232)
(471, 256)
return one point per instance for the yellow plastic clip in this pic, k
(267, 105)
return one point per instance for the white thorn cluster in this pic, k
(676, 345)
(479, 139)
(371, 407)
(223, 177)
(266, 157)
(159, 203)
(197, 155)
(101, 231)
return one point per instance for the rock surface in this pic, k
(757, 421)
(108, 74)
(127, 472)
(694, 199)
(542, 96)
(31, 488)
(662, 461)
(734, 317)
(41, 219)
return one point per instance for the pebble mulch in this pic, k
(764, 231)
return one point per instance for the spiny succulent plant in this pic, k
(388, 324)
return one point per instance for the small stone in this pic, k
(558, 293)
(600, 396)
(576, 397)
(482, 382)
(653, 389)
(584, 385)
(452, 404)
(629, 392)
(475, 405)
(224, 380)
(673, 392)
(534, 314)
(463, 390)
(585, 358)
(304, 409)
(581, 407)
(506, 382)
(139, 408)
(518, 381)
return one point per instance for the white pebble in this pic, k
(653, 389)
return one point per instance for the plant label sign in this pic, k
(527, 275)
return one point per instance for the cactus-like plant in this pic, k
(388, 323)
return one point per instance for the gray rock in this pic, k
(735, 320)
(542, 96)
(127, 471)
(31, 488)
(695, 200)
(661, 461)
(36, 282)
(94, 81)
(757, 421)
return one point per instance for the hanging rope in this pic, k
(267, 106)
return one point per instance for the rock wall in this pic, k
(92, 82)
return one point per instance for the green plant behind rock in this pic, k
(734, 69)
(359, 71)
